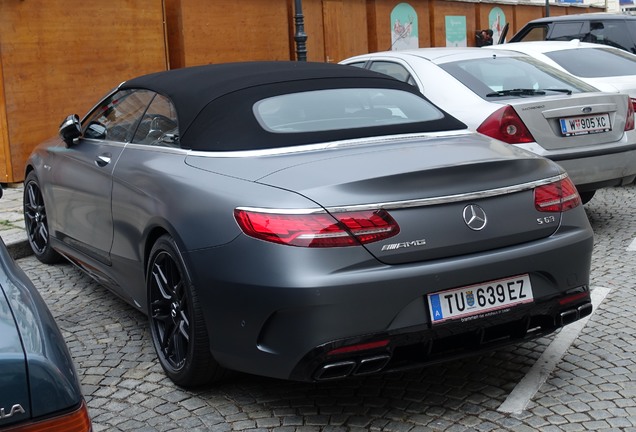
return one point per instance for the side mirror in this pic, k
(70, 129)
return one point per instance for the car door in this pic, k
(149, 167)
(83, 174)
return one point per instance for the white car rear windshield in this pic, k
(595, 62)
(489, 75)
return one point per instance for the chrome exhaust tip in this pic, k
(569, 316)
(335, 370)
(372, 365)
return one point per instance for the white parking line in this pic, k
(632, 246)
(525, 390)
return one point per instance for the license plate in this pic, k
(480, 301)
(585, 124)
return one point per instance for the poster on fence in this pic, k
(404, 28)
(456, 31)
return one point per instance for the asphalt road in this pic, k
(583, 379)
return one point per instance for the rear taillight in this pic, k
(631, 108)
(318, 229)
(77, 421)
(559, 196)
(505, 125)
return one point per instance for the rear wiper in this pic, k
(516, 92)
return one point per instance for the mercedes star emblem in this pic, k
(475, 217)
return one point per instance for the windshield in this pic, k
(595, 62)
(495, 76)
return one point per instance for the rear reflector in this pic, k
(359, 347)
(574, 298)
(318, 229)
(559, 196)
(505, 125)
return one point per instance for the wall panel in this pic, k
(380, 25)
(440, 9)
(56, 61)
(205, 31)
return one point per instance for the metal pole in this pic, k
(300, 37)
(547, 8)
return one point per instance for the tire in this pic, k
(36, 222)
(178, 330)
(587, 196)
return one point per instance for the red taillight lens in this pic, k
(559, 196)
(505, 125)
(631, 108)
(318, 229)
(77, 421)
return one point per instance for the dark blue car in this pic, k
(39, 388)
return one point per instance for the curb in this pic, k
(19, 249)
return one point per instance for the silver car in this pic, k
(307, 221)
(522, 101)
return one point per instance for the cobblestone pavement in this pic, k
(593, 386)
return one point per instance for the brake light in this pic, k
(559, 196)
(505, 125)
(631, 108)
(77, 421)
(318, 229)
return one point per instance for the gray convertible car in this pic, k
(39, 388)
(307, 221)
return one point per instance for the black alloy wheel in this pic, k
(36, 222)
(178, 330)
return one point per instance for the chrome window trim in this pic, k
(422, 202)
(327, 145)
(157, 148)
(104, 142)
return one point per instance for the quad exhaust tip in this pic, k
(343, 369)
(571, 315)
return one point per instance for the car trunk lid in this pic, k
(576, 121)
(450, 196)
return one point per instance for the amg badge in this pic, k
(395, 246)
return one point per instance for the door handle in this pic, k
(103, 159)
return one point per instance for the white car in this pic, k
(606, 68)
(515, 98)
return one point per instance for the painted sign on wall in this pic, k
(404, 28)
(496, 22)
(456, 31)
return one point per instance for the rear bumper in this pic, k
(595, 172)
(423, 346)
(278, 311)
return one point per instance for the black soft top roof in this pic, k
(202, 93)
